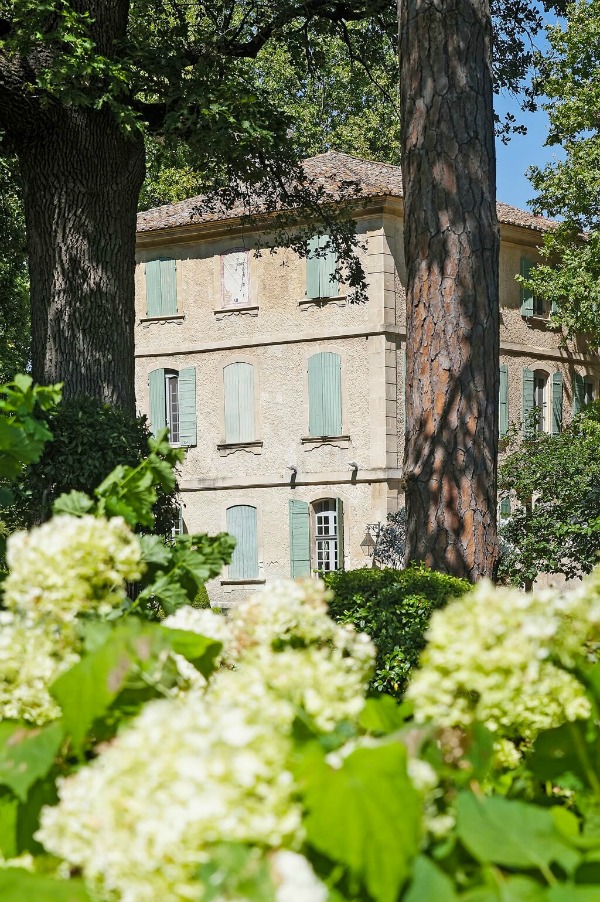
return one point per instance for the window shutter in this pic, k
(528, 400)
(505, 506)
(158, 405)
(339, 509)
(238, 386)
(299, 538)
(242, 525)
(403, 364)
(161, 287)
(557, 392)
(312, 269)
(526, 293)
(325, 394)
(578, 393)
(187, 406)
(503, 408)
(328, 283)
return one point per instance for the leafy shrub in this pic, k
(393, 607)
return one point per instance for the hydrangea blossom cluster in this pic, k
(494, 657)
(209, 768)
(70, 565)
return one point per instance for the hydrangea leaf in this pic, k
(513, 889)
(74, 503)
(199, 650)
(366, 815)
(382, 715)
(17, 884)
(27, 754)
(429, 882)
(569, 892)
(9, 813)
(512, 833)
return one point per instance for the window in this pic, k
(321, 262)
(161, 288)
(178, 526)
(242, 525)
(173, 404)
(316, 536)
(583, 392)
(540, 401)
(588, 391)
(238, 392)
(325, 394)
(544, 394)
(326, 535)
(235, 279)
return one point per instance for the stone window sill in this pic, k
(320, 302)
(248, 310)
(173, 317)
(243, 582)
(315, 441)
(225, 448)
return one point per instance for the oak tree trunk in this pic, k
(451, 244)
(82, 176)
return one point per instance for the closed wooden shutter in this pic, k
(187, 406)
(161, 287)
(312, 269)
(578, 393)
(503, 406)
(299, 538)
(242, 525)
(528, 400)
(158, 405)
(325, 394)
(321, 281)
(526, 293)
(339, 509)
(238, 387)
(557, 393)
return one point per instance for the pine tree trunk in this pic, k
(82, 177)
(451, 244)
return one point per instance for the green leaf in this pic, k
(9, 812)
(74, 503)
(27, 754)
(382, 715)
(570, 892)
(365, 815)
(17, 885)
(512, 889)
(199, 650)
(511, 833)
(154, 550)
(429, 882)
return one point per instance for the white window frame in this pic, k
(172, 406)
(325, 535)
(540, 400)
(244, 296)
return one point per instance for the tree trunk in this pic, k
(451, 244)
(82, 177)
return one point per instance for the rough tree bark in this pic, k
(451, 244)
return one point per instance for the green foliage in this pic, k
(17, 885)
(393, 607)
(90, 441)
(560, 531)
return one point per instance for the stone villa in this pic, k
(288, 395)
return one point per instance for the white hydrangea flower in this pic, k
(32, 655)
(204, 622)
(490, 658)
(294, 878)
(71, 564)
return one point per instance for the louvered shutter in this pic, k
(528, 400)
(526, 293)
(238, 386)
(158, 407)
(242, 525)
(187, 406)
(312, 269)
(503, 405)
(557, 393)
(328, 283)
(161, 287)
(578, 393)
(339, 510)
(299, 538)
(325, 394)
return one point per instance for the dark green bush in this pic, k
(393, 607)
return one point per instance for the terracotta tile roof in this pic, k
(329, 170)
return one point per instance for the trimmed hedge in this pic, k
(393, 607)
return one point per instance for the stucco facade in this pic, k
(276, 330)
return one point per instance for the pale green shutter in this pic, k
(325, 394)
(238, 386)
(557, 393)
(578, 393)
(528, 400)
(242, 525)
(503, 408)
(505, 506)
(526, 293)
(187, 406)
(328, 283)
(158, 406)
(312, 269)
(339, 510)
(299, 538)
(161, 287)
